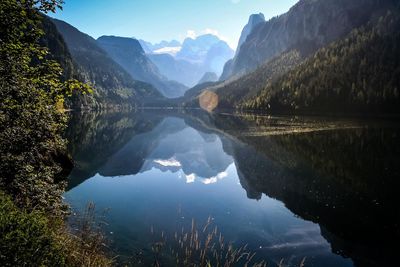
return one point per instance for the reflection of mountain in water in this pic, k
(126, 144)
(346, 180)
(170, 146)
(197, 153)
(131, 157)
(94, 137)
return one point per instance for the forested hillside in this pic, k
(234, 91)
(306, 27)
(360, 73)
(113, 85)
(248, 86)
(284, 42)
(58, 49)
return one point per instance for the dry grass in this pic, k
(199, 246)
(202, 247)
(86, 244)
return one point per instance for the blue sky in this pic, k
(156, 20)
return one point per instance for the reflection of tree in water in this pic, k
(94, 136)
(117, 144)
(345, 180)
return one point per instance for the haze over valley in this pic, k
(283, 50)
(199, 133)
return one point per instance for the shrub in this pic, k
(26, 238)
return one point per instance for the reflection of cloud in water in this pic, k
(305, 243)
(215, 179)
(211, 180)
(190, 178)
(168, 162)
(190, 152)
(304, 237)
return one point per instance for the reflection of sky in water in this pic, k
(195, 154)
(188, 175)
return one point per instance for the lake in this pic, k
(292, 189)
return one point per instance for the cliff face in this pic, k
(254, 21)
(307, 26)
(357, 74)
(128, 53)
(88, 62)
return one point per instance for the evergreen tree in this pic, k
(360, 73)
(31, 117)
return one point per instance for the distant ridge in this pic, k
(113, 85)
(128, 53)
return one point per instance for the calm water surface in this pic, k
(289, 188)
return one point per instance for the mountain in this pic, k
(208, 77)
(178, 70)
(358, 74)
(58, 49)
(190, 99)
(198, 50)
(307, 26)
(217, 55)
(113, 85)
(128, 53)
(168, 47)
(195, 50)
(303, 80)
(235, 91)
(147, 46)
(188, 64)
(254, 20)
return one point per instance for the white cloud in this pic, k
(190, 178)
(211, 31)
(214, 179)
(235, 1)
(222, 175)
(168, 162)
(191, 34)
(211, 180)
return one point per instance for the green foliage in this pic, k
(32, 238)
(360, 73)
(33, 160)
(26, 239)
(31, 148)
